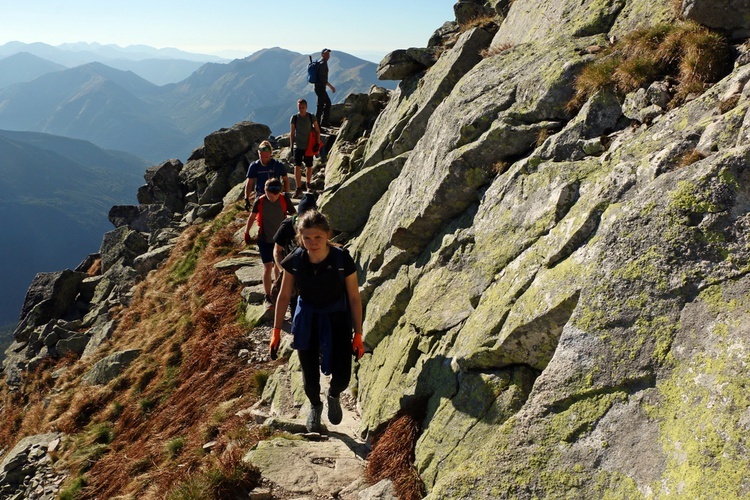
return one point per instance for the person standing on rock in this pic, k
(269, 210)
(300, 127)
(328, 309)
(260, 171)
(322, 113)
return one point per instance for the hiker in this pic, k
(260, 171)
(285, 241)
(269, 210)
(300, 126)
(329, 307)
(324, 102)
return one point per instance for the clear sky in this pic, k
(230, 28)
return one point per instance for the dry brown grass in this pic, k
(190, 336)
(392, 457)
(694, 56)
(486, 22)
(689, 157)
(494, 50)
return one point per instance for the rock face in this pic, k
(563, 291)
(732, 16)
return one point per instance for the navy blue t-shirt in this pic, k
(261, 173)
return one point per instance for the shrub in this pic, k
(174, 447)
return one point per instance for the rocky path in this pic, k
(296, 464)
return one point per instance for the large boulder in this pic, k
(109, 368)
(142, 218)
(228, 145)
(50, 296)
(121, 243)
(164, 186)
(402, 63)
(403, 122)
(729, 16)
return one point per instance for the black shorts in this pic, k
(299, 156)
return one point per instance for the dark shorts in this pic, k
(266, 251)
(299, 155)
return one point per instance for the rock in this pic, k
(163, 185)
(142, 218)
(383, 490)
(200, 213)
(109, 368)
(348, 206)
(98, 333)
(122, 244)
(151, 259)
(307, 468)
(729, 16)
(230, 144)
(403, 122)
(50, 296)
(403, 63)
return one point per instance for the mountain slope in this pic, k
(54, 199)
(119, 110)
(24, 67)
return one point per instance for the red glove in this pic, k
(358, 348)
(248, 240)
(273, 346)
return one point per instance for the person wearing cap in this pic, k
(269, 210)
(300, 126)
(260, 171)
(324, 102)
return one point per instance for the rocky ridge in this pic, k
(563, 291)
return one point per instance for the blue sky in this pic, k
(231, 28)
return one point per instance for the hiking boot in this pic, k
(297, 193)
(268, 303)
(334, 410)
(313, 418)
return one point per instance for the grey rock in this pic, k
(99, 333)
(150, 260)
(142, 218)
(50, 296)
(164, 186)
(730, 16)
(121, 244)
(228, 145)
(109, 368)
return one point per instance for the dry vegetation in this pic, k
(392, 457)
(691, 55)
(143, 433)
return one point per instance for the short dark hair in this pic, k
(302, 101)
(312, 219)
(273, 181)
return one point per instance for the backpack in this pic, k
(312, 71)
(259, 215)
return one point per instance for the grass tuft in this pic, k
(685, 51)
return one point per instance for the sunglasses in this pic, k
(274, 189)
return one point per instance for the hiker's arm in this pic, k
(250, 222)
(317, 127)
(282, 302)
(355, 301)
(292, 133)
(278, 254)
(249, 187)
(333, 89)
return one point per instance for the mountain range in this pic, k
(118, 109)
(54, 199)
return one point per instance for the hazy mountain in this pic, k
(119, 110)
(159, 66)
(54, 199)
(24, 67)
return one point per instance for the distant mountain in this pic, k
(55, 195)
(159, 66)
(119, 110)
(24, 67)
